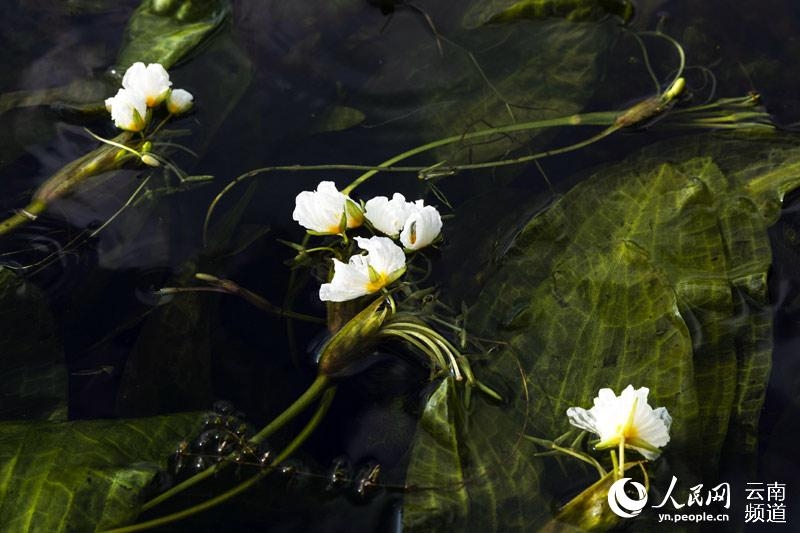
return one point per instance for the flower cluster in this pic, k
(626, 420)
(144, 88)
(328, 211)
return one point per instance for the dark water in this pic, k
(267, 86)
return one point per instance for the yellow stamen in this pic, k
(377, 282)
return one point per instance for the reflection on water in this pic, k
(334, 82)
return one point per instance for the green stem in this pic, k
(320, 384)
(301, 437)
(23, 216)
(230, 287)
(599, 118)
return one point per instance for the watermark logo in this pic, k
(765, 502)
(622, 504)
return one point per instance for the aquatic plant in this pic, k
(591, 293)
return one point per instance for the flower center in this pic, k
(377, 282)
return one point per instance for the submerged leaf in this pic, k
(504, 11)
(83, 475)
(168, 34)
(651, 273)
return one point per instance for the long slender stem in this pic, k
(233, 288)
(301, 437)
(601, 118)
(320, 384)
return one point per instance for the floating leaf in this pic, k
(652, 272)
(83, 475)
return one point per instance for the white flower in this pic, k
(365, 274)
(321, 211)
(179, 101)
(152, 82)
(626, 419)
(128, 110)
(421, 228)
(389, 216)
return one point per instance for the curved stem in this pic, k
(230, 287)
(678, 48)
(320, 384)
(601, 118)
(301, 437)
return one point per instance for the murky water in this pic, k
(283, 83)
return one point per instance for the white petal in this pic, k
(384, 255)
(122, 107)
(179, 101)
(151, 81)
(609, 418)
(421, 228)
(388, 216)
(320, 210)
(350, 281)
(582, 418)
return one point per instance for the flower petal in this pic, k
(321, 210)
(151, 81)
(388, 216)
(350, 280)
(627, 417)
(384, 255)
(128, 110)
(179, 101)
(421, 228)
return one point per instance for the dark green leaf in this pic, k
(504, 11)
(83, 475)
(168, 35)
(651, 272)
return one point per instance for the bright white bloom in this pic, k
(321, 211)
(389, 216)
(626, 418)
(152, 82)
(365, 274)
(421, 228)
(179, 101)
(128, 110)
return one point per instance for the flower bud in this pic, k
(179, 101)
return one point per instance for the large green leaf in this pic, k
(166, 31)
(651, 272)
(84, 475)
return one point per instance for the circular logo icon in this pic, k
(621, 503)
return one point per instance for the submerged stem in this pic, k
(301, 437)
